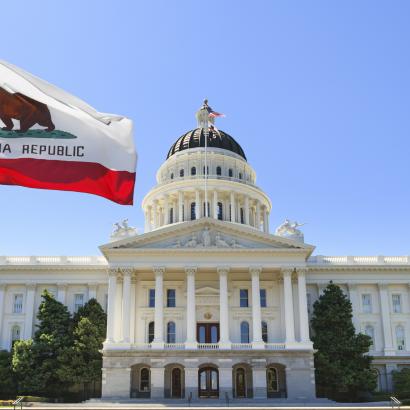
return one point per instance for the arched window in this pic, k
(144, 380)
(172, 175)
(193, 171)
(220, 214)
(264, 331)
(218, 170)
(244, 332)
(171, 332)
(150, 332)
(193, 214)
(181, 173)
(171, 216)
(272, 380)
(369, 331)
(240, 175)
(230, 172)
(400, 339)
(15, 334)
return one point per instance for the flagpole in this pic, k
(206, 167)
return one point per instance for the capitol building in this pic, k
(208, 301)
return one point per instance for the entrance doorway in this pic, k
(240, 383)
(208, 332)
(176, 383)
(208, 382)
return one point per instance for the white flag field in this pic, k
(51, 139)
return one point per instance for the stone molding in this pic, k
(191, 270)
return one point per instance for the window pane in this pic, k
(78, 301)
(214, 380)
(396, 303)
(171, 336)
(214, 334)
(265, 332)
(151, 302)
(193, 171)
(202, 334)
(243, 298)
(220, 214)
(171, 302)
(272, 380)
(18, 303)
(218, 171)
(193, 211)
(367, 303)
(151, 332)
(263, 297)
(244, 332)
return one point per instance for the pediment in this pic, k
(207, 234)
(207, 291)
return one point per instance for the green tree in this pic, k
(8, 385)
(81, 363)
(35, 362)
(342, 367)
(401, 382)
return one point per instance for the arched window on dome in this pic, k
(244, 332)
(220, 211)
(15, 334)
(193, 213)
(240, 175)
(218, 170)
(369, 331)
(230, 172)
(171, 332)
(193, 171)
(264, 331)
(172, 175)
(400, 339)
(151, 332)
(181, 173)
(171, 216)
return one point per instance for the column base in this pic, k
(306, 345)
(157, 345)
(260, 345)
(111, 345)
(292, 345)
(225, 345)
(191, 345)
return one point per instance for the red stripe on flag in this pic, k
(88, 177)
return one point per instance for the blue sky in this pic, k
(316, 92)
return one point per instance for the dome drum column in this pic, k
(155, 213)
(258, 215)
(180, 206)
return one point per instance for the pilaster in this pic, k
(389, 350)
(29, 310)
(190, 342)
(126, 304)
(112, 290)
(288, 304)
(158, 342)
(224, 341)
(257, 342)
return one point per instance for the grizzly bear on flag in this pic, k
(28, 111)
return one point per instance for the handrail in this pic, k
(17, 402)
(394, 401)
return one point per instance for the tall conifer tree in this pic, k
(342, 367)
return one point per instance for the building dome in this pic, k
(196, 139)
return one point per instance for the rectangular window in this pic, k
(171, 302)
(366, 303)
(396, 299)
(18, 303)
(243, 296)
(263, 297)
(78, 301)
(151, 298)
(309, 303)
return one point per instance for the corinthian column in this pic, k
(180, 206)
(246, 209)
(112, 290)
(233, 209)
(215, 204)
(224, 341)
(288, 302)
(191, 342)
(126, 305)
(29, 311)
(257, 342)
(389, 350)
(158, 342)
(303, 313)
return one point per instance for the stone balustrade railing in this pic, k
(53, 260)
(208, 346)
(359, 260)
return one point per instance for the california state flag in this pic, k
(50, 139)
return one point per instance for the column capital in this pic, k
(159, 270)
(191, 270)
(32, 285)
(286, 272)
(383, 286)
(3, 286)
(255, 270)
(126, 271)
(113, 272)
(301, 271)
(224, 270)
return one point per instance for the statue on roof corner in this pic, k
(122, 230)
(288, 229)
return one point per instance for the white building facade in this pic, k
(207, 302)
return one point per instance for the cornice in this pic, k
(344, 268)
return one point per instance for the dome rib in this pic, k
(196, 139)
